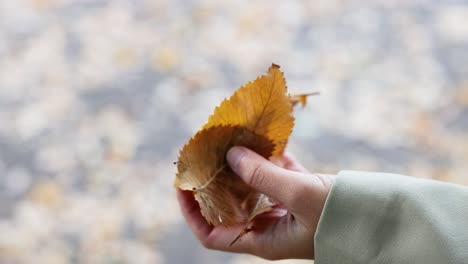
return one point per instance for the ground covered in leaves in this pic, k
(97, 98)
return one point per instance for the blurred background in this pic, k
(98, 96)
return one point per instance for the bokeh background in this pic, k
(98, 96)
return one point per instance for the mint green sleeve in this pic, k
(387, 218)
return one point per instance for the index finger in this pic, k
(191, 211)
(211, 237)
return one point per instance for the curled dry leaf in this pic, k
(258, 116)
(223, 197)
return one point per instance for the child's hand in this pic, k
(285, 232)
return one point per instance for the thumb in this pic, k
(280, 184)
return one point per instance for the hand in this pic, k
(285, 232)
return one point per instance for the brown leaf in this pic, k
(223, 197)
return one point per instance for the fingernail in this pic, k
(234, 156)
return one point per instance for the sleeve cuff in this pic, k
(377, 218)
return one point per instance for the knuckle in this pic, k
(257, 176)
(298, 192)
(206, 242)
(270, 257)
(273, 255)
(252, 171)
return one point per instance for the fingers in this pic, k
(218, 237)
(269, 238)
(257, 241)
(221, 238)
(191, 211)
(211, 237)
(283, 185)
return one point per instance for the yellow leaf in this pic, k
(261, 106)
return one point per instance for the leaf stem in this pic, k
(211, 179)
